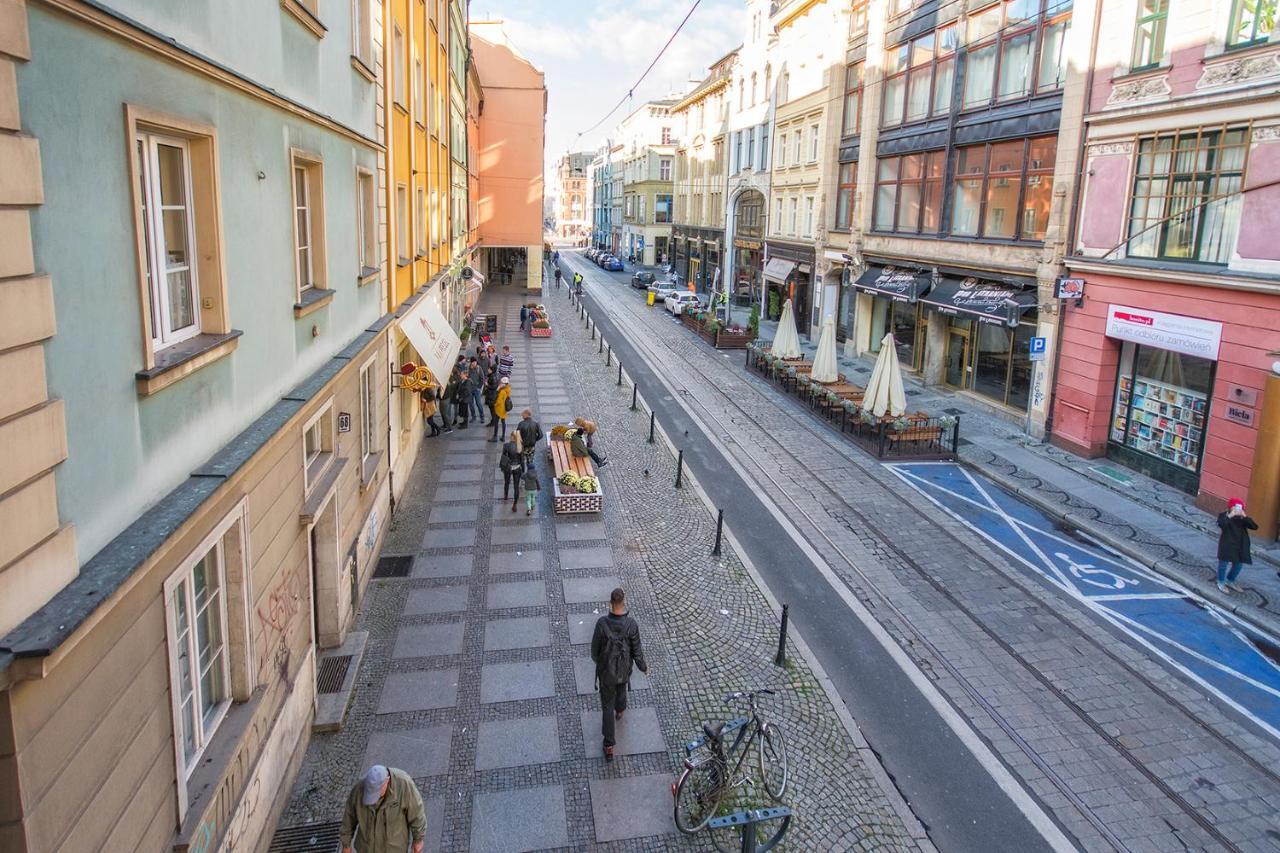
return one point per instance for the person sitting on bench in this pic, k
(578, 447)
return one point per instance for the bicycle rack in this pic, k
(746, 819)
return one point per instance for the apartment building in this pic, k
(648, 171)
(698, 241)
(195, 478)
(573, 214)
(615, 197)
(1174, 314)
(600, 191)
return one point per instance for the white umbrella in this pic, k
(786, 343)
(884, 389)
(824, 363)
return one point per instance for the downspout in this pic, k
(1075, 208)
(389, 284)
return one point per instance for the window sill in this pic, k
(216, 762)
(403, 262)
(401, 108)
(362, 68)
(180, 360)
(321, 487)
(369, 469)
(305, 17)
(367, 275)
(312, 299)
(1139, 73)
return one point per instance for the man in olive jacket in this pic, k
(384, 814)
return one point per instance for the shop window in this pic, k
(853, 75)
(1162, 404)
(908, 324)
(991, 360)
(918, 78)
(1148, 34)
(844, 195)
(1186, 201)
(909, 193)
(1251, 22)
(1015, 48)
(1004, 189)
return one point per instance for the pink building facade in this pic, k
(1162, 363)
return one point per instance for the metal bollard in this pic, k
(608, 356)
(633, 396)
(679, 468)
(781, 659)
(651, 416)
(715, 552)
(593, 334)
(600, 348)
(619, 372)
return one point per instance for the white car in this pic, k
(677, 302)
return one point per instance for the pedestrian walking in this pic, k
(578, 447)
(506, 362)
(501, 407)
(427, 398)
(531, 489)
(588, 429)
(530, 434)
(462, 399)
(384, 814)
(477, 389)
(557, 275)
(1233, 544)
(524, 316)
(512, 464)
(615, 648)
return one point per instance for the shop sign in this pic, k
(897, 283)
(431, 335)
(1239, 414)
(1069, 288)
(754, 245)
(1039, 347)
(1173, 332)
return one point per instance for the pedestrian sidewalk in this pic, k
(1148, 521)
(477, 679)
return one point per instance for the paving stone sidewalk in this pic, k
(477, 680)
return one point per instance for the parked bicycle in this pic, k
(712, 772)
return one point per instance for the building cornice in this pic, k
(700, 93)
(1202, 279)
(139, 35)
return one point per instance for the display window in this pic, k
(1162, 404)
(991, 360)
(907, 323)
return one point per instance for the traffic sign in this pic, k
(1039, 346)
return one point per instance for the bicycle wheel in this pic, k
(697, 795)
(773, 760)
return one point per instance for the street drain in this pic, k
(309, 838)
(393, 567)
(333, 671)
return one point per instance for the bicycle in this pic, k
(708, 779)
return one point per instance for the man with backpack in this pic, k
(530, 434)
(615, 647)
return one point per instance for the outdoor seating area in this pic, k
(575, 487)
(874, 416)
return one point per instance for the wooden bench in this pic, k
(562, 459)
(917, 430)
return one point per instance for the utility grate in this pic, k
(954, 411)
(393, 567)
(308, 838)
(333, 671)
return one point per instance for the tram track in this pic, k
(657, 349)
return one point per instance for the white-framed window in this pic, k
(813, 143)
(366, 223)
(782, 150)
(368, 410)
(168, 225)
(777, 216)
(306, 178)
(420, 221)
(362, 32)
(402, 226)
(764, 145)
(317, 445)
(794, 208)
(808, 216)
(435, 217)
(798, 152)
(419, 91)
(664, 169)
(397, 60)
(302, 214)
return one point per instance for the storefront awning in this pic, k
(475, 284)
(898, 283)
(432, 336)
(989, 301)
(778, 269)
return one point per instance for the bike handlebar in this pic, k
(751, 694)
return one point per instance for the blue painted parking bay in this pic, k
(1212, 647)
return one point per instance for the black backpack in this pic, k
(615, 659)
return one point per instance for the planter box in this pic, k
(566, 503)
(691, 321)
(540, 333)
(733, 340)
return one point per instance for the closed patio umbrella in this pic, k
(824, 363)
(885, 392)
(786, 344)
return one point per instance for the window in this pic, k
(662, 209)
(1186, 202)
(858, 18)
(419, 91)
(362, 32)
(777, 216)
(918, 77)
(1003, 189)
(742, 95)
(1148, 35)
(420, 219)
(768, 81)
(738, 163)
(196, 605)
(397, 59)
(751, 146)
(853, 75)
(784, 87)
(753, 88)
(163, 165)
(402, 224)
(764, 146)
(808, 216)
(435, 217)
(308, 221)
(1015, 48)
(782, 150)
(366, 224)
(664, 169)
(1251, 22)
(813, 143)
(794, 208)
(368, 411)
(666, 136)
(798, 151)
(844, 195)
(909, 193)
(317, 445)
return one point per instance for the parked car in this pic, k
(613, 264)
(677, 302)
(642, 279)
(661, 289)
(600, 258)
(590, 254)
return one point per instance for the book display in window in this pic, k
(1164, 420)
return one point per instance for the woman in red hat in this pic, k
(1233, 544)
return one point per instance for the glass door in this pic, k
(957, 373)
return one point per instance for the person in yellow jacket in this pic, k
(501, 406)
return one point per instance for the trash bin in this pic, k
(651, 295)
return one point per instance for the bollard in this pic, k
(679, 467)
(619, 372)
(633, 396)
(608, 356)
(715, 552)
(781, 659)
(600, 348)
(593, 334)
(651, 427)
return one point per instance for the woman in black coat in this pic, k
(1233, 544)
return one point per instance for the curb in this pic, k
(1252, 614)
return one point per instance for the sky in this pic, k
(593, 52)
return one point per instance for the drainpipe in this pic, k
(1075, 209)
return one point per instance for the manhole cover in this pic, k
(310, 838)
(954, 411)
(333, 671)
(393, 567)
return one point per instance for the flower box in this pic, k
(540, 333)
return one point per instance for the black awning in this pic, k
(989, 301)
(900, 283)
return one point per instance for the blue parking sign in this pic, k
(1039, 346)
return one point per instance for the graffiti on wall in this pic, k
(276, 615)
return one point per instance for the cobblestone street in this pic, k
(476, 679)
